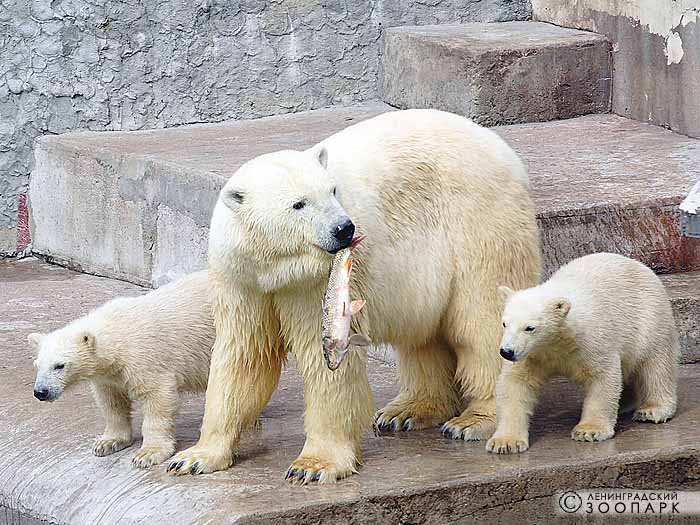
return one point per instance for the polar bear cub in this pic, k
(603, 321)
(145, 348)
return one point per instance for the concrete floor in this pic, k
(48, 473)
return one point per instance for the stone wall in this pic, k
(135, 64)
(656, 53)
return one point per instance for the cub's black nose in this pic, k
(344, 231)
(507, 353)
(41, 395)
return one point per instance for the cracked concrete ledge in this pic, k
(49, 475)
(136, 205)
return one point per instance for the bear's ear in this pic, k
(322, 157)
(232, 198)
(87, 339)
(504, 293)
(35, 339)
(561, 306)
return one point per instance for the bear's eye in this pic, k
(334, 190)
(529, 328)
(59, 366)
(504, 325)
(299, 205)
(236, 196)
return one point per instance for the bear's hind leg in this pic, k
(115, 406)
(428, 394)
(478, 366)
(158, 427)
(655, 382)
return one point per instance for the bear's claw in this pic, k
(198, 460)
(105, 447)
(506, 445)
(654, 414)
(470, 426)
(591, 432)
(152, 455)
(307, 470)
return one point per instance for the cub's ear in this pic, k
(232, 198)
(35, 339)
(561, 306)
(87, 339)
(322, 157)
(504, 293)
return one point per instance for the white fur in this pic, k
(445, 208)
(145, 348)
(604, 321)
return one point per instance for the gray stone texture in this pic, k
(656, 53)
(136, 64)
(49, 475)
(137, 205)
(497, 74)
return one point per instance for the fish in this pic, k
(338, 310)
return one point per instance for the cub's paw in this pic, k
(507, 445)
(149, 456)
(198, 460)
(592, 432)
(406, 415)
(654, 413)
(307, 469)
(106, 446)
(470, 426)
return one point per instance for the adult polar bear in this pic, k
(445, 208)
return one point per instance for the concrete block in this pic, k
(657, 55)
(137, 205)
(500, 73)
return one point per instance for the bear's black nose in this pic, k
(507, 353)
(344, 232)
(41, 395)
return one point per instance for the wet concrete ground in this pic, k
(47, 470)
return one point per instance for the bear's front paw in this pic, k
(507, 445)
(198, 460)
(470, 426)
(106, 446)
(147, 456)
(592, 432)
(306, 469)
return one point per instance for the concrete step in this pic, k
(48, 474)
(137, 205)
(497, 73)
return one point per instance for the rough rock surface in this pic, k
(70, 65)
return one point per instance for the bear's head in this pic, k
(532, 320)
(278, 219)
(64, 359)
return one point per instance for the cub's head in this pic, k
(64, 358)
(279, 205)
(531, 321)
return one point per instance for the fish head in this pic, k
(334, 352)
